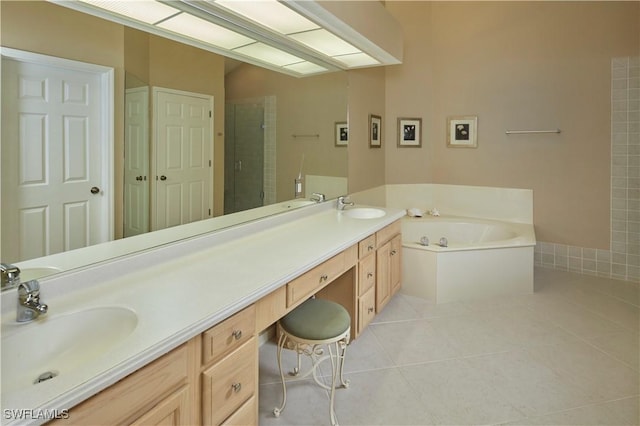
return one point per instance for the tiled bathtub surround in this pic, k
(622, 261)
(625, 168)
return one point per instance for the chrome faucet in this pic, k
(10, 276)
(342, 203)
(318, 197)
(29, 306)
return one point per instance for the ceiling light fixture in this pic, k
(267, 33)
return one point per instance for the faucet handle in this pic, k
(10, 275)
(318, 197)
(31, 287)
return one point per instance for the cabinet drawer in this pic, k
(367, 246)
(366, 309)
(314, 280)
(245, 415)
(366, 274)
(229, 383)
(388, 232)
(228, 335)
(134, 395)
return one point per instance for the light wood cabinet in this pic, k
(158, 393)
(172, 411)
(229, 370)
(388, 264)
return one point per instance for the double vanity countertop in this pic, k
(171, 293)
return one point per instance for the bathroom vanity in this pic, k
(193, 356)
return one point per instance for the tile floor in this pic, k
(565, 355)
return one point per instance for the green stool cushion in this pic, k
(317, 319)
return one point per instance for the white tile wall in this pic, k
(622, 261)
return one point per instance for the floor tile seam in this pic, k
(613, 296)
(615, 358)
(573, 302)
(572, 377)
(494, 388)
(592, 312)
(567, 410)
(420, 319)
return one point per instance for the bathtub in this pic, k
(483, 258)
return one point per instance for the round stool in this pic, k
(306, 329)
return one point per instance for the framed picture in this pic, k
(375, 131)
(410, 132)
(462, 132)
(342, 133)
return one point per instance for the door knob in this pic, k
(95, 190)
(163, 177)
(139, 178)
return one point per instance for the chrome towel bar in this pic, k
(522, 132)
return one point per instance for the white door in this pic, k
(56, 146)
(136, 159)
(183, 129)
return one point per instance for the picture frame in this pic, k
(342, 133)
(409, 132)
(462, 131)
(375, 131)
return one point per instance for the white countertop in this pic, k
(181, 290)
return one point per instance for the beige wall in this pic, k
(305, 106)
(516, 65)
(366, 96)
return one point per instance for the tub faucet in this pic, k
(318, 197)
(10, 276)
(29, 306)
(342, 203)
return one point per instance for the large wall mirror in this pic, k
(196, 137)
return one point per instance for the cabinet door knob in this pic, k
(393, 252)
(324, 278)
(369, 274)
(369, 248)
(370, 310)
(236, 387)
(237, 334)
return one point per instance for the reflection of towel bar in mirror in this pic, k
(306, 136)
(524, 132)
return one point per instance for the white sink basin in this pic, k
(364, 213)
(59, 344)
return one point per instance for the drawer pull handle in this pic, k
(370, 310)
(324, 277)
(237, 334)
(236, 387)
(369, 274)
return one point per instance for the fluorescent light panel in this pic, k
(325, 42)
(271, 14)
(266, 53)
(205, 31)
(305, 68)
(147, 11)
(357, 60)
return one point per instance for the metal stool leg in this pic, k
(278, 410)
(314, 350)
